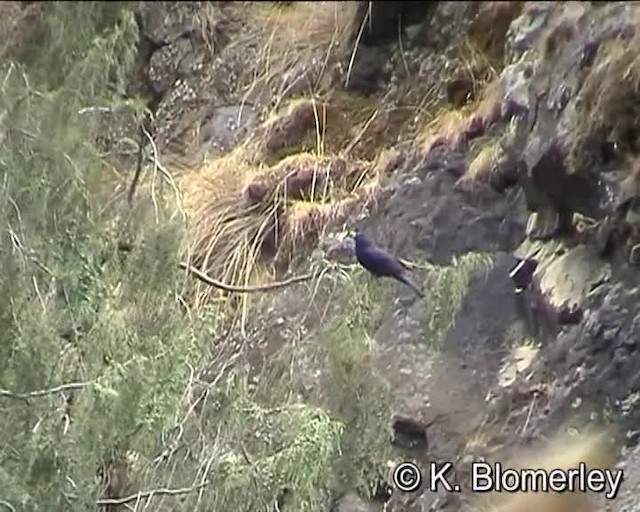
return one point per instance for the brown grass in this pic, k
(301, 42)
(251, 213)
(454, 125)
(253, 224)
(480, 67)
(489, 29)
(212, 24)
(445, 127)
(609, 107)
(342, 123)
(299, 126)
(310, 24)
(485, 163)
(450, 125)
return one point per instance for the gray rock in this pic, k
(526, 29)
(634, 255)
(542, 224)
(353, 503)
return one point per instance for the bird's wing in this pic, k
(388, 265)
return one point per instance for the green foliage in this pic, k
(262, 453)
(447, 287)
(77, 309)
(352, 390)
(84, 43)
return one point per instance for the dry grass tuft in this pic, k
(480, 69)
(485, 163)
(245, 231)
(344, 123)
(455, 127)
(609, 106)
(361, 127)
(445, 128)
(475, 93)
(303, 41)
(490, 103)
(288, 131)
(489, 29)
(216, 179)
(310, 24)
(211, 24)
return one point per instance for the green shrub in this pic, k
(101, 388)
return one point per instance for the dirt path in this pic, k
(451, 385)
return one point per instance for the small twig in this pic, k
(402, 53)
(245, 454)
(526, 423)
(8, 505)
(91, 110)
(364, 129)
(242, 289)
(136, 176)
(44, 392)
(366, 18)
(149, 494)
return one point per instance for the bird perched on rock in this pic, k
(381, 264)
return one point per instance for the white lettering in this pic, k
(510, 480)
(614, 481)
(535, 480)
(481, 480)
(557, 480)
(486, 477)
(438, 475)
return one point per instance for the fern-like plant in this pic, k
(447, 287)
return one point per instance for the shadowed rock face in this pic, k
(566, 41)
(384, 21)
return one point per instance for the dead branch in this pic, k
(44, 392)
(8, 505)
(148, 494)
(242, 289)
(138, 172)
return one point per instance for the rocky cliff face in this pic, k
(513, 130)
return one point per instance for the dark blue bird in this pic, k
(381, 264)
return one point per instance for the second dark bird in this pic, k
(522, 273)
(381, 264)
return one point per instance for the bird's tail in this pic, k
(407, 280)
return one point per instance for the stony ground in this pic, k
(565, 159)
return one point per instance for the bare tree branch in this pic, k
(242, 289)
(149, 494)
(136, 176)
(8, 505)
(43, 392)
